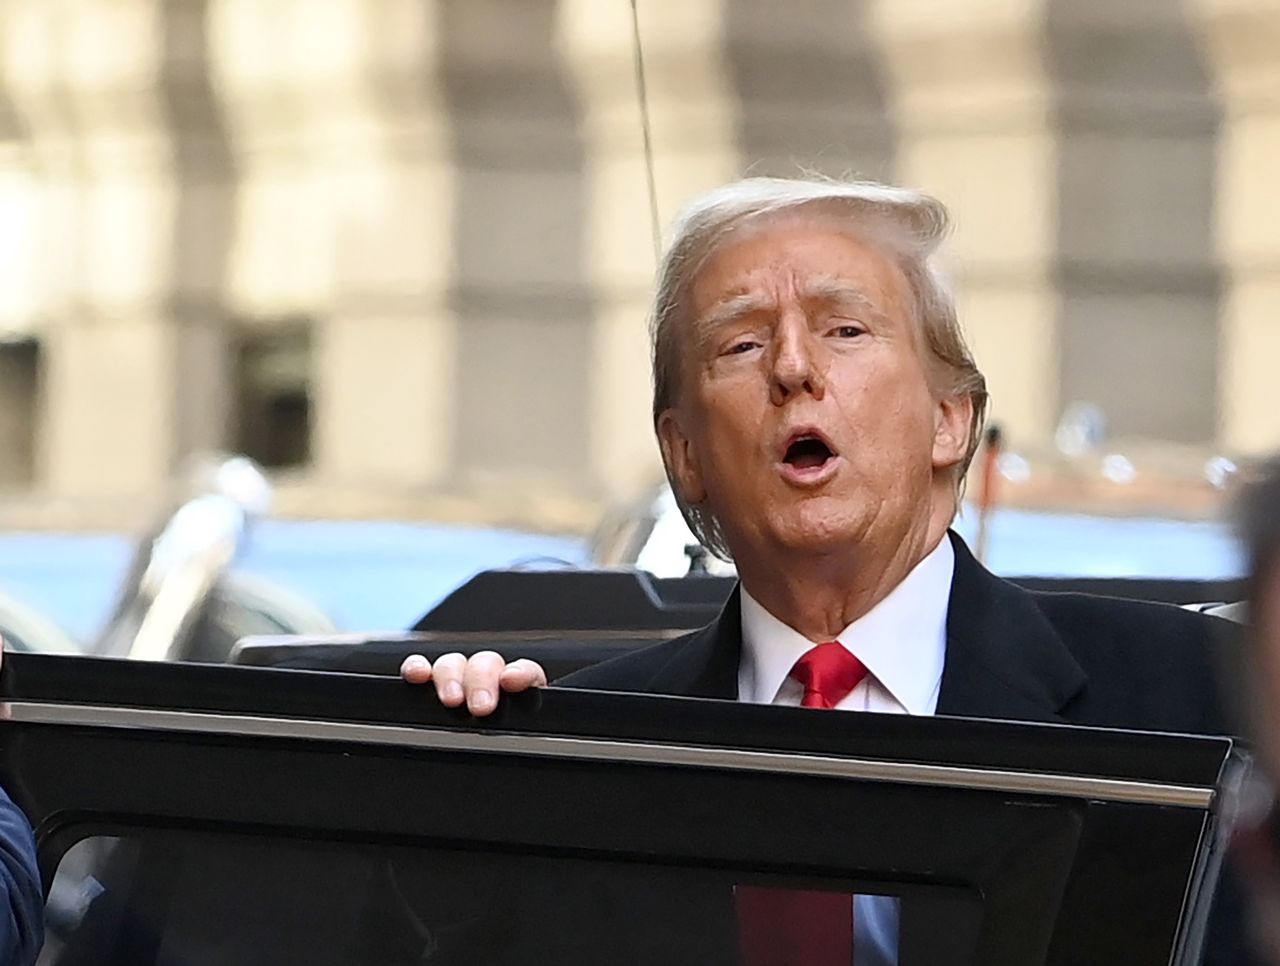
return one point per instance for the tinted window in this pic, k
(191, 898)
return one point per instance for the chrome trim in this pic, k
(603, 749)
(177, 567)
(460, 638)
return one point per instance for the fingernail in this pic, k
(482, 699)
(415, 663)
(453, 691)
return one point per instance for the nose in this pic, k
(796, 366)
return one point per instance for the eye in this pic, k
(740, 346)
(846, 330)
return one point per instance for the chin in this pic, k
(823, 534)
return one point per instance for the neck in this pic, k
(820, 594)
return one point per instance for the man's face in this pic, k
(805, 418)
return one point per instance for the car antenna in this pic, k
(646, 130)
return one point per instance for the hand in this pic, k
(476, 680)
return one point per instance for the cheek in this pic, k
(891, 410)
(733, 462)
(733, 413)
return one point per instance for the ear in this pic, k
(681, 459)
(952, 415)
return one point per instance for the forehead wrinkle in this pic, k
(836, 291)
(829, 290)
(822, 289)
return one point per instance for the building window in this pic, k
(273, 395)
(19, 410)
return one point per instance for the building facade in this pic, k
(401, 250)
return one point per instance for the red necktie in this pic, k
(794, 927)
(828, 673)
(803, 927)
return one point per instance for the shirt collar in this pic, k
(902, 640)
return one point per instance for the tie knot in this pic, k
(828, 673)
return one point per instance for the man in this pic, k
(817, 408)
(21, 898)
(1257, 845)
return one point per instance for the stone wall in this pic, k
(448, 198)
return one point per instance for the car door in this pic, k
(211, 814)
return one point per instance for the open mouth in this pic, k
(807, 452)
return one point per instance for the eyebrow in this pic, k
(826, 291)
(732, 309)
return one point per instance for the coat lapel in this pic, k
(1004, 658)
(706, 664)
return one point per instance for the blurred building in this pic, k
(400, 250)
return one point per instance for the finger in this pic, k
(481, 681)
(416, 669)
(447, 673)
(522, 674)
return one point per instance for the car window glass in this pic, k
(190, 898)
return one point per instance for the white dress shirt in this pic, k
(903, 643)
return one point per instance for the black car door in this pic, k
(209, 814)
